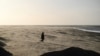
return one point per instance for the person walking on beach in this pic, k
(42, 37)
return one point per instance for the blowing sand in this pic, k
(25, 40)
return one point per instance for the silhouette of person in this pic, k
(42, 37)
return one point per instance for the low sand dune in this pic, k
(25, 40)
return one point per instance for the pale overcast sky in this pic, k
(49, 12)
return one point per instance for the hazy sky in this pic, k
(49, 12)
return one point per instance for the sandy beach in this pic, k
(25, 40)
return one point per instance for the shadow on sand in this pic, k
(3, 52)
(72, 51)
(2, 44)
(3, 39)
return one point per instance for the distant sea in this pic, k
(88, 28)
